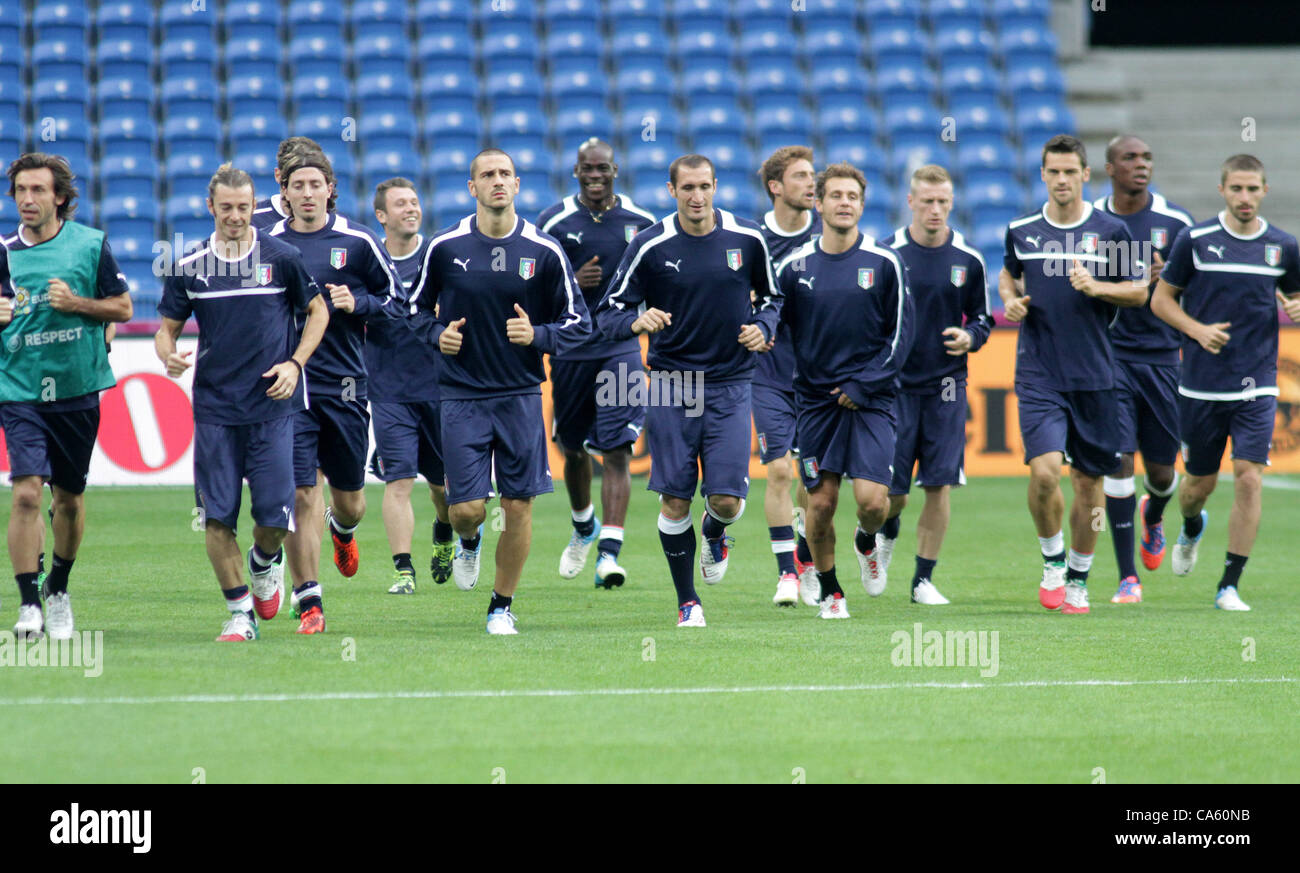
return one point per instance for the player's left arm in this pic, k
(112, 300)
(570, 326)
(381, 295)
(881, 372)
(1288, 285)
(767, 299)
(303, 293)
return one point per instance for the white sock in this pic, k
(1052, 545)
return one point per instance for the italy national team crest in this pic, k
(810, 468)
(629, 231)
(762, 443)
(338, 258)
(264, 274)
(1159, 236)
(1089, 242)
(866, 277)
(1272, 255)
(527, 267)
(958, 276)
(734, 260)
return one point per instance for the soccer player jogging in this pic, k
(1146, 370)
(1228, 273)
(59, 286)
(949, 292)
(789, 179)
(846, 305)
(245, 289)
(595, 226)
(504, 295)
(687, 281)
(1076, 266)
(403, 384)
(331, 436)
(273, 209)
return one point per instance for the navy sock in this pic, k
(783, 534)
(1073, 575)
(609, 547)
(585, 528)
(924, 570)
(830, 585)
(342, 537)
(712, 528)
(866, 542)
(1192, 525)
(499, 602)
(259, 561)
(402, 561)
(679, 549)
(892, 526)
(28, 589)
(309, 596)
(1058, 558)
(469, 544)
(1119, 512)
(801, 549)
(59, 570)
(239, 593)
(442, 532)
(1232, 568)
(1156, 507)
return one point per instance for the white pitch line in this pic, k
(613, 692)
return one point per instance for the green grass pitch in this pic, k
(601, 686)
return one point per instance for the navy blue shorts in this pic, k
(227, 454)
(858, 443)
(599, 404)
(408, 440)
(931, 433)
(774, 419)
(501, 435)
(53, 445)
(1148, 410)
(1084, 425)
(1207, 424)
(333, 435)
(709, 432)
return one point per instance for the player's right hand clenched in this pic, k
(6, 310)
(1017, 308)
(652, 321)
(1213, 337)
(177, 363)
(449, 342)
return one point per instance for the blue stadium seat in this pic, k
(985, 105)
(635, 13)
(253, 56)
(714, 120)
(445, 50)
(584, 85)
(188, 97)
(317, 95)
(124, 20)
(124, 57)
(750, 15)
(703, 47)
(648, 159)
(832, 45)
(503, 125)
(507, 91)
(653, 196)
(191, 133)
(991, 233)
(377, 166)
(964, 77)
(955, 13)
(59, 98)
(507, 52)
(308, 18)
(254, 96)
(381, 55)
(573, 51)
(131, 243)
(841, 85)
(1040, 122)
(371, 18)
(63, 59)
(387, 132)
(385, 92)
(453, 125)
(782, 123)
(907, 151)
(643, 44)
(12, 93)
(534, 159)
(311, 56)
(644, 82)
(822, 13)
(972, 159)
(846, 120)
(876, 223)
(188, 57)
(638, 121)
(1005, 192)
(190, 171)
(450, 92)
(767, 45)
(1026, 44)
(187, 206)
(179, 19)
(698, 83)
(912, 119)
(12, 56)
(124, 98)
(733, 155)
(431, 13)
(1031, 81)
(567, 12)
(854, 150)
(880, 13)
(318, 126)
(127, 137)
(1020, 13)
(451, 202)
(122, 211)
(896, 80)
(579, 124)
(765, 85)
(897, 45)
(129, 175)
(518, 12)
(251, 20)
(257, 133)
(961, 42)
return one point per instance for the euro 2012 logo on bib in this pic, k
(734, 260)
(527, 267)
(338, 258)
(866, 277)
(1272, 255)
(22, 301)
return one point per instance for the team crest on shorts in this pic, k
(958, 276)
(338, 258)
(264, 274)
(866, 277)
(734, 261)
(1159, 236)
(1272, 255)
(762, 443)
(629, 231)
(1089, 242)
(810, 468)
(527, 267)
